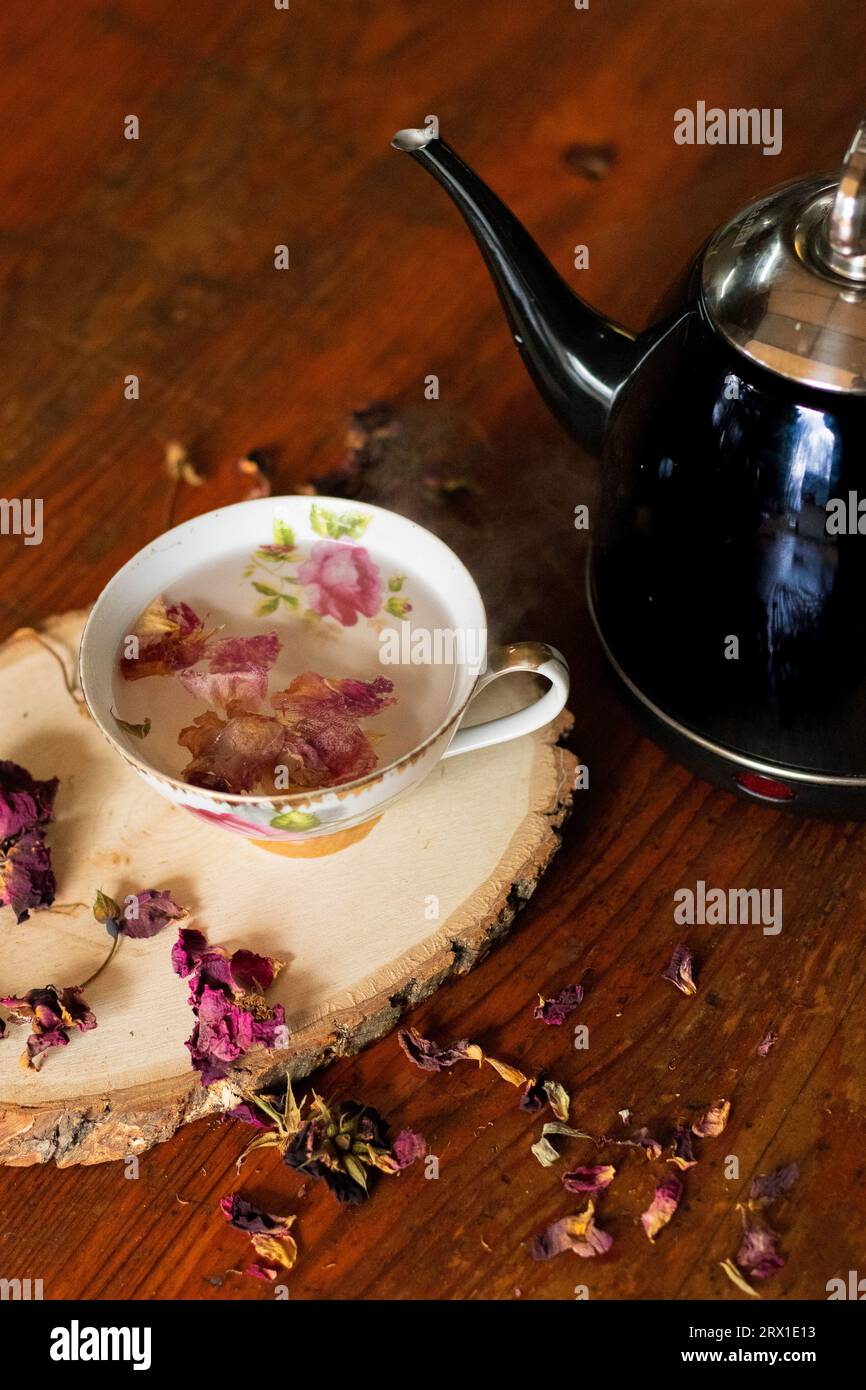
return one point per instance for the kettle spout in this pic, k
(577, 358)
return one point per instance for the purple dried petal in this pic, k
(224, 1032)
(534, 1096)
(766, 1187)
(245, 1216)
(252, 973)
(680, 970)
(428, 1055)
(408, 1147)
(147, 912)
(556, 1010)
(250, 1115)
(52, 1014)
(25, 802)
(683, 1151)
(26, 877)
(591, 1178)
(758, 1254)
(187, 951)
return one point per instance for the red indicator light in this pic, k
(765, 788)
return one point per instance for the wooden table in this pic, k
(155, 257)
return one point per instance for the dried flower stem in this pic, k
(114, 945)
(70, 681)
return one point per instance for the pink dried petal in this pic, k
(576, 1233)
(666, 1199)
(234, 653)
(592, 1177)
(768, 1041)
(408, 1147)
(248, 684)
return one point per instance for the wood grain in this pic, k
(357, 940)
(261, 127)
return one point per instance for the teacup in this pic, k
(352, 591)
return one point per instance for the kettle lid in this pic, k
(785, 281)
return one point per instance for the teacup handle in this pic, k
(517, 656)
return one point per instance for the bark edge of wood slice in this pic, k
(115, 833)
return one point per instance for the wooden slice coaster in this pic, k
(357, 930)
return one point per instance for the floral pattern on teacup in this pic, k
(336, 578)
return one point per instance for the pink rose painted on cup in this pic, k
(341, 582)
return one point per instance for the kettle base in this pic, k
(781, 788)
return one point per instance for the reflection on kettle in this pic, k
(729, 609)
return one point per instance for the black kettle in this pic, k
(727, 575)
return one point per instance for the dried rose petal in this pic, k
(187, 951)
(640, 1139)
(25, 802)
(146, 913)
(758, 1254)
(245, 1216)
(171, 637)
(766, 1187)
(408, 1147)
(768, 1041)
(225, 1031)
(534, 1096)
(576, 1233)
(592, 1177)
(226, 999)
(683, 1155)
(248, 684)
(680, 970)
(556, 1010)
(666, 1199)
(232, 653)
(234, 754)
(429, 1056)
(26, 877)
(311, 696)
(53, 1013)
(713, 1121)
